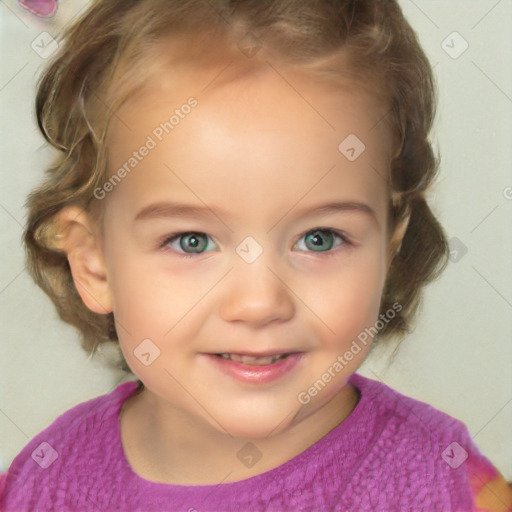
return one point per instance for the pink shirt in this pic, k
(391, 453)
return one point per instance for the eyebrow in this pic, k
(168, 209)
(338, 207)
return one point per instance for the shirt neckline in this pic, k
(343, 434)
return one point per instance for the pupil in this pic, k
(320, 239)
(191, 242)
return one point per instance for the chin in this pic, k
(253, 426)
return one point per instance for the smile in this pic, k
(256, 368)
(252, 360)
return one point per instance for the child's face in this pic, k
(254, 156)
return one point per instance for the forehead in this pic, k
(235, 90)
(255, 129)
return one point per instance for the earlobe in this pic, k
(74, 233)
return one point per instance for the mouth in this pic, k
(255, 360)
(257, 368)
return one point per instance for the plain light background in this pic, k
(458, 359)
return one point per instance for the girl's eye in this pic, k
(321, 240)
(189, 243)
(193, 242)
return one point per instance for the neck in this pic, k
(165, 444)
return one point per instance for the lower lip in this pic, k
(256, 374)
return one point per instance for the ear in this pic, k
(397, 236)
(76, 235)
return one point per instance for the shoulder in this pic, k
(415, 420)
(426, 454)
(65, 452)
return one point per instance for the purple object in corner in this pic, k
(41, 8)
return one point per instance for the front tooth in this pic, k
(257, 360)
(251, 360)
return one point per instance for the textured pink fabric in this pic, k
(392, 453)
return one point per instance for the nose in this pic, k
(256, 295)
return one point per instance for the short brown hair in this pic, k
(96, 70)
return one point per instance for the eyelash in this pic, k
(345, 241)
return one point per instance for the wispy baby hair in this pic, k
(105, 58)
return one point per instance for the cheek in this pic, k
(151, 302)
(133, 287)
(348, 301)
